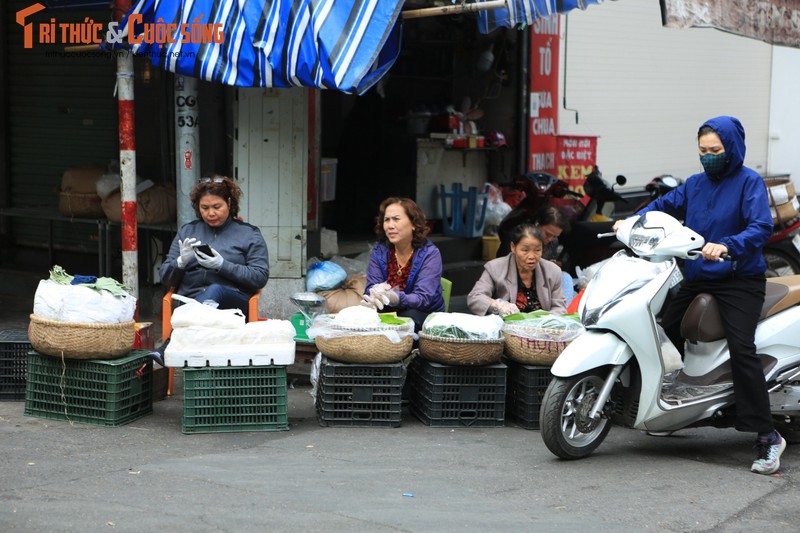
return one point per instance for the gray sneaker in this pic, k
(768, 460)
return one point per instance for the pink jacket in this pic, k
(499, 280)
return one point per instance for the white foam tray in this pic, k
(238, 355)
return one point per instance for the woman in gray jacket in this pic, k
(237, 263)
(521, 281)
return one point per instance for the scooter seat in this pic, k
(786, 291)
(702, 323)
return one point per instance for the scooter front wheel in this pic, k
(567, 430)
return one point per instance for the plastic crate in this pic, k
(526, 387)
(234, 399)
(359, 395)
(14, 348)
(457, 396)
(99, 392)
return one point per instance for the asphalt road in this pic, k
(147, 475)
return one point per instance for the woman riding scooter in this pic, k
(727, 204)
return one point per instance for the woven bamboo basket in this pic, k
(365, 349)
(74, 340)
(81, 205)
(537, 352)
(462, 352)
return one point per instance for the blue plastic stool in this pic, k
(461, 223)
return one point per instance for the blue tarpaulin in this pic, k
(346, 45)
(520, 12)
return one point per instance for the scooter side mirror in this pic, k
(621, 180)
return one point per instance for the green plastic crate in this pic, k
(234, 399)
(14, 348)
(100, 392)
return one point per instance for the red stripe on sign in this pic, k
(127, 130)
(128, 226)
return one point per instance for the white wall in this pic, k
(644, 90)
(784, 117)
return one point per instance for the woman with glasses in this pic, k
(522, 281)
(235, 263)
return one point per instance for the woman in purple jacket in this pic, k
(405, 268)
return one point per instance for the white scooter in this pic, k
(624, 370)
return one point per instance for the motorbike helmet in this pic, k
(495, 139)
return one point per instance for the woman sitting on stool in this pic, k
(521, 281)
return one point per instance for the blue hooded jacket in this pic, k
(732, 210)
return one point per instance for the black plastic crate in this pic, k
(457, 396)
(14, 348)
(234, 399)
(109, 392)
(526, 387)
(359, 395)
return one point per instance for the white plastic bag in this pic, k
(194, 313)
(496, 208)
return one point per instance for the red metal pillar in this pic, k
(127, 160)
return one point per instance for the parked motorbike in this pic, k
(580, 246)
(624, 370)
(782, 251)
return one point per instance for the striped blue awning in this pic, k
(346, 45)
(520, 12)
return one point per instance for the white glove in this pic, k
(186, 251)
(503, 308)
(378, 296)
(211, 262)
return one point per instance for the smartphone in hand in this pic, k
(204, 248)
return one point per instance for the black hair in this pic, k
(550, 214)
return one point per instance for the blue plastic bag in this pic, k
(324, 276)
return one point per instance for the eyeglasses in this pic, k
(215, 180)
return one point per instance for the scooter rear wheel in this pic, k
(566, 428)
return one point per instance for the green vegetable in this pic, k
(60, 276)
(391, 320)
(538, 314)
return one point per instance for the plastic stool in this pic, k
(461, 223)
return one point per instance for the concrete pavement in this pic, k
(147, 475)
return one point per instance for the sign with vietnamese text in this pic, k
(575, 157)
(543, 117)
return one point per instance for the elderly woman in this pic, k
(521, 281)
(405, 268)
(235, 265)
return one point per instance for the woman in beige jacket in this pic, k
(521, 281)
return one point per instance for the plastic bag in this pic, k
(394, 328)
(193, 313)
(669, 354)
(324, 276)
(545, 327)
(462, 326)
(496, 208)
